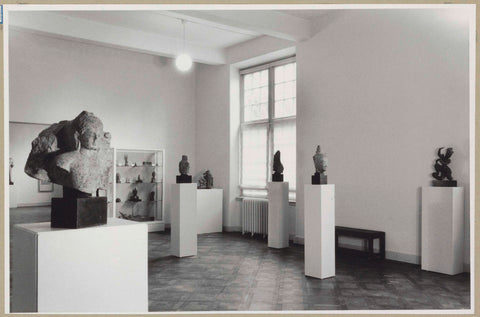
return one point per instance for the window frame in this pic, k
(269, 122)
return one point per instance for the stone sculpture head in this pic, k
(183, 165)
(320, 161)
(75, 154)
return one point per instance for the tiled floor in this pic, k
(235, 272)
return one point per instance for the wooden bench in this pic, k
(367, 235)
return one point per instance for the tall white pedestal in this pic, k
(209, 210)
(96, 269)
(319, 215)
(443, 229)
(278, 215)
(183, 217)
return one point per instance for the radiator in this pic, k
(255, 216)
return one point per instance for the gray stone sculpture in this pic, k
(206, 182)
(277, 176)
(77, 155)
(320, 161)
(183, 168)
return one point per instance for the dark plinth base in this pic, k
(277, 177)
(437, 183)
(318, 179)
(184, 179)
(79, 212)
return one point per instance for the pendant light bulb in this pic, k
(183, 61)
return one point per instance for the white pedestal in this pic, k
(12, 195)
(319, 218)
(278, 215)
(209, 210)
(96, 269)
(443, 229)
(183, 216)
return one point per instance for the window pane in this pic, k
(259, 193)
(285, 91)
(254, 156)
(284, 140)
(255, 96)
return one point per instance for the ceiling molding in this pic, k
(267, 22)
(114, 36)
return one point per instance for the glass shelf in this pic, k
(144, 209)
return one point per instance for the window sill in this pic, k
(240, 198)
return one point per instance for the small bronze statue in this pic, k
(139, 180)
(320, 161)
(125, 159)
(206, 182)
(10, 161)
(442, 171)
(154, 180)
(183, 168)
(118, 179)
(135, 197)
(151, 197)
(277, 176)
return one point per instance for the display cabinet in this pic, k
(139, 186)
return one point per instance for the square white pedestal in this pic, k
(443, 229)
(183, 216)
(209, 210)
(278, 215)
(96, 269)
(319, 242)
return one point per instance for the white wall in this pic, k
(211, 140)
(143, 101)
(380, 90)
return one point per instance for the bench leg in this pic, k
(370, 248)
(336, 244)
(382, 247)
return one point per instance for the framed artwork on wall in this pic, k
(45, 186)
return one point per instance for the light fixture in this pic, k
(183, 61)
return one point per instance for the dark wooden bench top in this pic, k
(360, 233)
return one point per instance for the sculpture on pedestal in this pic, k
(277, 176)
(320, 161)
(77, 155)
(206, 182)
(183, 168)
(443, 173)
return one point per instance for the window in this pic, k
(268, 125)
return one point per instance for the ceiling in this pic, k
(208, 33)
